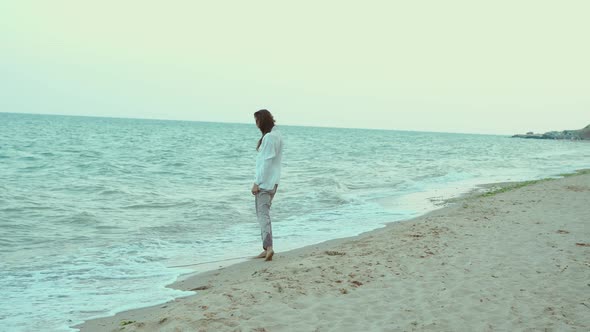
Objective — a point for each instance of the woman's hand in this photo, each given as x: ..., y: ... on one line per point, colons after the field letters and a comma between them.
x: 255, y: 189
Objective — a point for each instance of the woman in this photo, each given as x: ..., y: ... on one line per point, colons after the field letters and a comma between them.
x: 268, y: 173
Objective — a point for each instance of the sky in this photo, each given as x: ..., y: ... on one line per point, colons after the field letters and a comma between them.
x: 493, y: 67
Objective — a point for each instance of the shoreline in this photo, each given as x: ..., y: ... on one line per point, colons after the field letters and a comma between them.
x: 215, y: 289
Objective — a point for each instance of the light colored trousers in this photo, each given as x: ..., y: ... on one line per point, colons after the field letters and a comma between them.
x: 263, y: 202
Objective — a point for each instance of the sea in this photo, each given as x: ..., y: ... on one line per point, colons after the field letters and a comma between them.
x: 98, y: 215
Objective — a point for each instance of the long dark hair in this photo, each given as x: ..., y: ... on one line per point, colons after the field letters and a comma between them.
x: 265, y: 123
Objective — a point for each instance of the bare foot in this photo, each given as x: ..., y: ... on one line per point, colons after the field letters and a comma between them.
x: 269, y: 254
x: 261, y: 255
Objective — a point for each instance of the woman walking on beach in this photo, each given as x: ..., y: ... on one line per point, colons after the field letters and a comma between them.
x: 268, y: 173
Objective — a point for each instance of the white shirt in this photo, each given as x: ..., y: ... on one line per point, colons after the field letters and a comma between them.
x: 268, y: 160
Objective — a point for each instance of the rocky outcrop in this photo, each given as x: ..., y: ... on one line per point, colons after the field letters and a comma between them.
x: 581, y: 134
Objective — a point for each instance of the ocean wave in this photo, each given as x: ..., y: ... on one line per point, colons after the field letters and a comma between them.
x: 79, y: 219
x: 112, y: 192
x: 28, y: 158
x: 161, y: 205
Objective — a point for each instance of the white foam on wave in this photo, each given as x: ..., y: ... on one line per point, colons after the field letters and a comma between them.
x: 92, y: 282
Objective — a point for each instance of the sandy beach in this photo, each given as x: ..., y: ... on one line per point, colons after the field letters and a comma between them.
x: 516, y: 260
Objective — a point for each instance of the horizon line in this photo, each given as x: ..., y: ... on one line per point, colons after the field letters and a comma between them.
x: 246, y: 123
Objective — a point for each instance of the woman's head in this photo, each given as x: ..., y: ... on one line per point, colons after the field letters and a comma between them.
x: 265, y: 122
